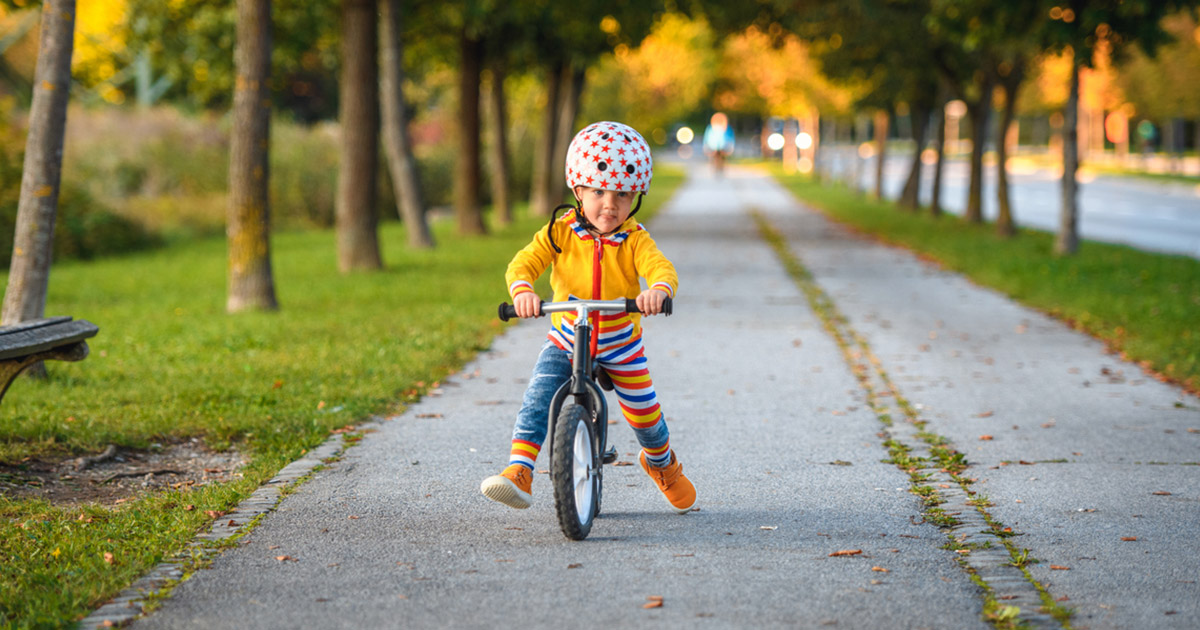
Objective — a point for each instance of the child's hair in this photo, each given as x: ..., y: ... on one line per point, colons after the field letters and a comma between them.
x: 609, y: 156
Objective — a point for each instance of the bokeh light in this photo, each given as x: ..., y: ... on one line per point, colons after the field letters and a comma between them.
x: 685, y: 135
x: 775, y: 141
x: 804, y: 141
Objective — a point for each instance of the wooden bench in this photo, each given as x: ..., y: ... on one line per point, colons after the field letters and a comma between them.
x: 26, y: 343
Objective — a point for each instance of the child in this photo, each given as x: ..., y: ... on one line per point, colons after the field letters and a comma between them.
x: 598, y: 252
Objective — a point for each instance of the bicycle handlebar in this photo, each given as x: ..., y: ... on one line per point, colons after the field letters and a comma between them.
x: 508, y: 311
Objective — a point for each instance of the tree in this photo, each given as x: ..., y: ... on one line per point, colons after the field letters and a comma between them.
x: 1080, y: 26
x: 357, y: 235
x: 251, y: 285
x: 401, y: 163
x: 568, y: 41
x: 868, y: 45
x: 501, y: 166
x: 467, y: 180
x: 29, y: 275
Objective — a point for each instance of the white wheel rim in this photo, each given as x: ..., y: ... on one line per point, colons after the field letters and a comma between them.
x: 581, y: 473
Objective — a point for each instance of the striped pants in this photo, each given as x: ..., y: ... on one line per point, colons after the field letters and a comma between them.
x: 635, y: 393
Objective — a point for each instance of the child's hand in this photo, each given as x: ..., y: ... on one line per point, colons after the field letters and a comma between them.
x: 650, y: 301
x: 528, y: 305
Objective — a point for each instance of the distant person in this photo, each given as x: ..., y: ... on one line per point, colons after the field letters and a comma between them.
x: 596, y: 251
x: 718, y: 140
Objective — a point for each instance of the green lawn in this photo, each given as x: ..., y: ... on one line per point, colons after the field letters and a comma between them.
x: 1144, y: 305
x: 169, y: 364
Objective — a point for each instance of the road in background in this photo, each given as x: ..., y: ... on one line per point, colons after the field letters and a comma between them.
x: 1155, y: 215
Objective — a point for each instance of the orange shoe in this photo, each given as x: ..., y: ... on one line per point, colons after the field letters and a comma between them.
x: 678, y: 489
x: 511, y: 487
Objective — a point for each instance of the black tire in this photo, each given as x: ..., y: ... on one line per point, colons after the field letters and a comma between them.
x: 575, y: 471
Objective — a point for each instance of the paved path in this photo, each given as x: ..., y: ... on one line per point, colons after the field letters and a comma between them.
x: 773, y: 427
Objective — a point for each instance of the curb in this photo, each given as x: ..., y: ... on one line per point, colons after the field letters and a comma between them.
x: 131, y: 603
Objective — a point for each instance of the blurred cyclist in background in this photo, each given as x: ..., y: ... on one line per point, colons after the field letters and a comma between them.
x: 718, y: 140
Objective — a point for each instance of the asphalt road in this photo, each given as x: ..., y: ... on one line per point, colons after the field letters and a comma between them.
x: 772, y: 426
x: 1148, y: 214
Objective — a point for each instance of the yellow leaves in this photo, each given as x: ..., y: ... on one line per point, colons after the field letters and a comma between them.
x: 56, y: 553
x: 653, y: 601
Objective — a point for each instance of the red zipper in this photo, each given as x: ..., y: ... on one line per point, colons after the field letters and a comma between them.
x: 597, y: 255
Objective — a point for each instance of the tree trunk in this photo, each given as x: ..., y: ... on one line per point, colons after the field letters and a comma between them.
x: 543, y: 155
x: 1005, y: 225
x: 467, y: 181
x: 568, y: 111
x: 29, y: 275
x: 939, y: 125
x: 881, y: 134
x: 499, y: 146
x: 911, y: 197
x: 1067, y: 241
x: 979, y: 112
x: 397, y: 144
x: 251, y: 285
x: 357, y: 236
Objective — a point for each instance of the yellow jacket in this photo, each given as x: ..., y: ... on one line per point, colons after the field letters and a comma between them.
x: 622, y: 258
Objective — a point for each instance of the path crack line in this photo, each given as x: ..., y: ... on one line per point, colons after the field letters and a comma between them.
x: 936, y: 470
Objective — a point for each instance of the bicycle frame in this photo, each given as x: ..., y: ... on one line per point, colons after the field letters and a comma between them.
x: 581, y: 385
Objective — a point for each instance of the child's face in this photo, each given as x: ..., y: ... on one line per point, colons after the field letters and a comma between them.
x: 606, y: 209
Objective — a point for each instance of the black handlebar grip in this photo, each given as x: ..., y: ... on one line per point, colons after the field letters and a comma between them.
x: 632, y: 307
x: 507, y: 311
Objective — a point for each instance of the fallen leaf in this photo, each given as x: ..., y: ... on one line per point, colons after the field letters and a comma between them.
x: 1161, y: 493
x: 1128, y: 538
x: 1059, y: 567
x: 353, y: 517
x: 623, y: 464
x: 1047, y: 425
x: 189, y: 508
x: 575, y: 565
x: 879, y: 569
x: 845, y: 552
x: 654, y: 603
x: 273, y: 547
x: 214, y: 514
x: 985, y: 438
x: 429, y: 415
x: 986, y: 414
x: 277, y: 385
x: 769, y: 528
x: 109, y: 558
x: 232, y: 523
x: 1064, y: 598
x: 284, y: 558
x: 1007, y: 597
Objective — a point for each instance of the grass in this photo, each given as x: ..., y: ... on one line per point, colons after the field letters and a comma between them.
x: 169, y: 365
x: 1143, y: 305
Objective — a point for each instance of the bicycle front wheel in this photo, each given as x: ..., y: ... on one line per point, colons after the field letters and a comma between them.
x: 575, y: 469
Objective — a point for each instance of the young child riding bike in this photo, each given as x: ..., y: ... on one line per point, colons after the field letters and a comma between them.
x: 597, y: 251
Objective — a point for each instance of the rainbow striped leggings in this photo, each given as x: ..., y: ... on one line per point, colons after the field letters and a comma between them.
x: 635, y: 392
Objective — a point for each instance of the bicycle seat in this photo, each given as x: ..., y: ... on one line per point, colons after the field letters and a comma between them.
x: 603, y: 379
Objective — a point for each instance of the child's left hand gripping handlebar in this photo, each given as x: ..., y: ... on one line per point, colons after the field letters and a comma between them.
x: 508, y: 311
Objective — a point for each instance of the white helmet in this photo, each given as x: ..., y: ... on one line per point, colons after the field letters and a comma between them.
x: 609, y: 156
